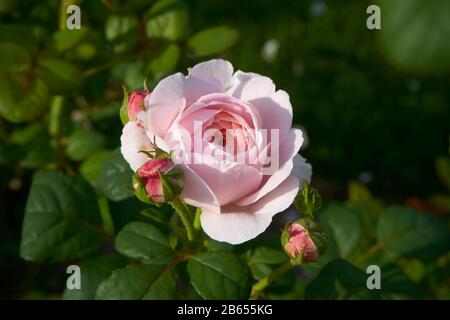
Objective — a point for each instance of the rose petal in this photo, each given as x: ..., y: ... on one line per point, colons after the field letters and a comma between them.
x: 214, y: 70
x: 170, y: 97
x: 251, y: 86
x: 133, y: 140
x: 239, y: 224
x: 197, y: 193
x: 229, y: 181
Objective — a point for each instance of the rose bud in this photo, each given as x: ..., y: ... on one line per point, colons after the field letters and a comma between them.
x: 158, y: 180
x: 303, y: 241
x: 135, y: 104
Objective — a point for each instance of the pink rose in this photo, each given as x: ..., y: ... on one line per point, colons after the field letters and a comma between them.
x: 135, y: 104
x: 300, y: 243
x: 151, y: 180
x: 231, y: 135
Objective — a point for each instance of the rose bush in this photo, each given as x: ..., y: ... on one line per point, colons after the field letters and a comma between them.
x: 238, y: 198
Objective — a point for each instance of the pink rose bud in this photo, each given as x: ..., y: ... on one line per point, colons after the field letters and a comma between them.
x: 135, y: 104
x: 303, y: 241
x: 151, y: 179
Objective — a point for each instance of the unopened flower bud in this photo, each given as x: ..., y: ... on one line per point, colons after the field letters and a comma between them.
x: 303, y: 241
x: 149, y: 173
x: 135, y: 104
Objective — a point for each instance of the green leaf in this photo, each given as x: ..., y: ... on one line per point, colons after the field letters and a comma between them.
x: 122, y: 32
x: 343, y: 224
x: 165, y: 62
x: 14, y: 58
x: 22, y: 99
x: 91, y: 168
x: 65, y: 39
x: 146, y: 282
x: 26, y: 134
x: 213, y: 40
x: 394, y: 281
x: 60, y: 76
x: 115, y: 178
x: 268, y: 256
x: 38, y: 152
x: 145, y: 242
x: 20, y: 34
x: 414, y: 34
x: 407, y: 232
x: 93, y: 272
x: 83, y: 143
x: 219, y: 275
x: 167, y: 19
x: 61, y: 219
x: 131, y: 73
x: 337, y: 279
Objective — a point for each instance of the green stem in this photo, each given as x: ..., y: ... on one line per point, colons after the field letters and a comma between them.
x: 197, y: 225
x: 108, y: 223
x: 264, y: 282
x: 375, y: 248
x: 184, y: 214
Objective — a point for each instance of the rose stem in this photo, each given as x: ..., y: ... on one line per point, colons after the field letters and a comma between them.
x: 183, y: 212
x: 264, y: 282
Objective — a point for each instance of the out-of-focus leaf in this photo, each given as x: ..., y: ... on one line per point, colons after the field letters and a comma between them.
x: 143, y: 282
x: 7, y: 6
x: 211, y: 41
x: 83, y: 143
x: 145, y: 242
x: 122, y: 32
x: 38, y: 152
x: 165, y: 62
x: 60, y: 76
x: 219, y: 275
x: 91, y: 168
x: 14, y: 58
x: 343, y: 224
x: 22, y: 98
x: 338, y: 279
x: 410, y: 233
x: 268, y: 256
x: 93, y: 272
x: 23, y: 35
x: 394, y: 281
x: 167, y: 19
x: 131, y: 73
x: 414, y: 34
x: 66, y: 39
x: 115, y: 178
x: 26, y: 134
x: 61, y: 216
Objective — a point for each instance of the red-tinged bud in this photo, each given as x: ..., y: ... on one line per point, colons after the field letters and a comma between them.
x: 303, y: 241
x: 149, y: 174
x: 135, y: 104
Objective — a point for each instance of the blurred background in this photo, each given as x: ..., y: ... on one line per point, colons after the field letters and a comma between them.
x: 374, y: 104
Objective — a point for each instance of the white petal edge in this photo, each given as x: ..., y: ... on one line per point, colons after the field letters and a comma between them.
x: 288, y: 151
x: 246, y: 223
x: 132, y: 141
x: 214, y: 70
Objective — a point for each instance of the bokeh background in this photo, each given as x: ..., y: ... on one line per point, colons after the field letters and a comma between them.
x: 374, y: 104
